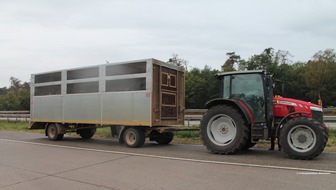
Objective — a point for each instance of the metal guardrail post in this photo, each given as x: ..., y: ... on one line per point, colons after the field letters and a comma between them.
x: 15, y: 115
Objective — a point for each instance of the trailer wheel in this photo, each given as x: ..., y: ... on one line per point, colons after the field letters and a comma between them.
x: 303, y: 138
x: 53, y: 133
x: 86, y: 133
x: 224, y: 130
x: 165, y: 138
x: 134, y: 137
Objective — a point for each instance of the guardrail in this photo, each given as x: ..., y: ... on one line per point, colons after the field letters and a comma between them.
x: 328, y: 111
x: 191, y: 115
x: 195, y: 115
x: 15, y: 115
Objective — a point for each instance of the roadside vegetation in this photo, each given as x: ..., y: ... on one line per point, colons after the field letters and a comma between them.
x: 183, y: 137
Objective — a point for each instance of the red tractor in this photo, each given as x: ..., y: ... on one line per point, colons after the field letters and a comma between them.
x: 247, y: 112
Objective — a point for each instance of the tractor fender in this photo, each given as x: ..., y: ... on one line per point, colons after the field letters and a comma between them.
x: 283, y: 120
x: 241, y: 106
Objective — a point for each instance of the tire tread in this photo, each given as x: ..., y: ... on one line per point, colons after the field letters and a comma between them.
x: 245, y: 133
x: 319, y: 127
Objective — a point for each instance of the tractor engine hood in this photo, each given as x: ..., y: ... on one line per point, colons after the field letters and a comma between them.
x: 284, y: 106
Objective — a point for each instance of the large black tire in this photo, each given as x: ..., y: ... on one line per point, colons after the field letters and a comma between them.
x: 303, y: 138
x: 248, y: 145
x: 165, y: 138
x: 86, y: 133
x: 224, y: 130
x: 134, y: 137
x: 53, y: 133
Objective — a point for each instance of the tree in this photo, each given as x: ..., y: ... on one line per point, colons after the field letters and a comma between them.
x: 9, y: 101
x: 24, y: 96
x: 16, y: 97
x: 15, y: 85
x: 263, y: 61
x: 292, y: 77
x: 319, y: 75
x: 175, y: 60
x: 201, y: 86
x: 3, y: 91
x: 230, y: 62
x: 283, y: 57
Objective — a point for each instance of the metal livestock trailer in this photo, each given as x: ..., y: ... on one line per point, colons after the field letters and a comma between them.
x: 137, y: 99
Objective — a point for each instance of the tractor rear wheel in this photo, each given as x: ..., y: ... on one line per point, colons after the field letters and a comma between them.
x: 248, y: 145
x: 303, y: 138
x: 224, y: 130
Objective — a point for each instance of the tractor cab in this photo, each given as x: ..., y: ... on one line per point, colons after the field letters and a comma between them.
x: 252, y: 91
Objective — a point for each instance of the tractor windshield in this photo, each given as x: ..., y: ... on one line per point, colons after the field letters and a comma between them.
x: 248, y: 88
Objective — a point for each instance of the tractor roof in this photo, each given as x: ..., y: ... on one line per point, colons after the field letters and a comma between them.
x: 240, y: 72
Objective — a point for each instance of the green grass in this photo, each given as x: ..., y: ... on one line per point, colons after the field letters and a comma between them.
x: 185, y: 137
x: 103, y: 132
x: 331, y: 145
x: 14, y: 126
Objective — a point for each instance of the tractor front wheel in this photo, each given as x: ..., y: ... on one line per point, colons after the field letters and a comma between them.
x: 303, y: 138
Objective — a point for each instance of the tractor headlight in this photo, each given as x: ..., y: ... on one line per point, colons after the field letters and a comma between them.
x: 287, y: 103
x: 317, y: 113
x: 314, y: 108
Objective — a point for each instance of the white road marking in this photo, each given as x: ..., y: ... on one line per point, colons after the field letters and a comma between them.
x: 176, y: 158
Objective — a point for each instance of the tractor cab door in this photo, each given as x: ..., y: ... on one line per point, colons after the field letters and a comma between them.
x: 248, y: 88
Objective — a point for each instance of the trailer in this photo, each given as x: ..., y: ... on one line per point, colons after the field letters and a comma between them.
x: 136, y: 99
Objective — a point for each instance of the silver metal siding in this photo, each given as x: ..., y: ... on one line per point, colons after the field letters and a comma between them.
x: 126, y: 108
x: 82, y: 108
x: 104, y: 108
x: 47, y: 108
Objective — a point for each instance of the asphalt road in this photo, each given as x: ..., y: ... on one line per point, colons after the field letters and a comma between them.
x: 31, y: 161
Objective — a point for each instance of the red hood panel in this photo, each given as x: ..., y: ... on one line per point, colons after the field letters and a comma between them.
x: 284, y: 106
x: 295, y: 101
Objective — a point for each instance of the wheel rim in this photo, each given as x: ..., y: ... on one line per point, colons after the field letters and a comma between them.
x: 301, y: 138
x: 130, y: 138
x: 51, y: 132
x: 221, y: 130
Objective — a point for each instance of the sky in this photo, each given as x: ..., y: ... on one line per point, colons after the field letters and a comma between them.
x: 45, y: 35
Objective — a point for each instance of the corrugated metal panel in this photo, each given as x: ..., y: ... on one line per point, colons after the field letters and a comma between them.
x: 81, y: 107
x: 126, y: 107
x: 47, y: 107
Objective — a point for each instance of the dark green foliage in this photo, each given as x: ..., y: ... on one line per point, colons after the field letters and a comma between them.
x: 309, y: 81
x: 16, y: 97
x: 292, y: 77
x: 229, y: 63
x: 3, y: 91
x: 320, y: 77
x: 201, y: 86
